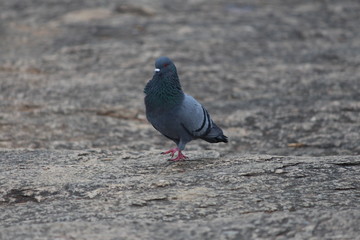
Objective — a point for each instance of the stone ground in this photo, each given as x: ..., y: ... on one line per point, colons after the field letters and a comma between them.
x: 79, y: 160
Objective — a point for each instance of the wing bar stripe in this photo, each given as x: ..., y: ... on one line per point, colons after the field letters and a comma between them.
x: 203, y: 123
x: 209, y: 125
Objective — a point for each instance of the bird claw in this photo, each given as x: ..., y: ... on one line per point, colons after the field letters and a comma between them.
x: 180, y: 157
x: 172, y: 152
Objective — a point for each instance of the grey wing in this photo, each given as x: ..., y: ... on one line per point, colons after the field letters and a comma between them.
x: 194, y: 118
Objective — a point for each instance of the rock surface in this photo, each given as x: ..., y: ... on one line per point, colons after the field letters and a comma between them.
x: 99, y: 194
x: 80, y: 161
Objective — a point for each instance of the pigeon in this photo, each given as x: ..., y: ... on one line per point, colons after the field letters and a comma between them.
x: 175, y: 114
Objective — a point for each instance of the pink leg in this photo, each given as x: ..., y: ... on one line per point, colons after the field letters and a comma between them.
x: 171, y: 151
x: 180, y: 157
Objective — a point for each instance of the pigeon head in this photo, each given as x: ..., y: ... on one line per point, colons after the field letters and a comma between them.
x: 164, y: 89
x: 164, y: 65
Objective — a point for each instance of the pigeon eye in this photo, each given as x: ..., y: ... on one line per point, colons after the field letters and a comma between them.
x: 165, y: 65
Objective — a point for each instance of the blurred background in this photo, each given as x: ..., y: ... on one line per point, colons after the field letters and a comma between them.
x: 280, y: 77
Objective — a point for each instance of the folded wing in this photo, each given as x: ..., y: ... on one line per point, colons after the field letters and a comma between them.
x: 195, y: 119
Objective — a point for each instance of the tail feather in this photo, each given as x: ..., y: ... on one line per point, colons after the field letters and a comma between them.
x: 215, y: 135
x: 217, y: 139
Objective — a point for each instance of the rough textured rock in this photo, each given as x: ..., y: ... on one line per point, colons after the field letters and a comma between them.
x: 93, y: 194
x: 79, y: 160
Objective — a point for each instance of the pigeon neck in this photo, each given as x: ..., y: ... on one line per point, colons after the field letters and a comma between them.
x: 164, y: 91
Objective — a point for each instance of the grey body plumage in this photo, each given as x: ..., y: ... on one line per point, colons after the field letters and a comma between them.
x: 175, y: 114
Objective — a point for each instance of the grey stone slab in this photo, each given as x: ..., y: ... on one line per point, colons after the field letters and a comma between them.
x: 97, y: 194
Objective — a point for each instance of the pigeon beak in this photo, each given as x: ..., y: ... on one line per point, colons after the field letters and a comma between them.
x: 157, y: 70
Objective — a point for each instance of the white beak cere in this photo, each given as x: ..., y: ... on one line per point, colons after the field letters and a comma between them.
x: 157, y: 70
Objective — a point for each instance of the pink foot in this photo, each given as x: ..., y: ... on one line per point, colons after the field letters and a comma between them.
x: 171, y: 151
x: 180, y: 157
